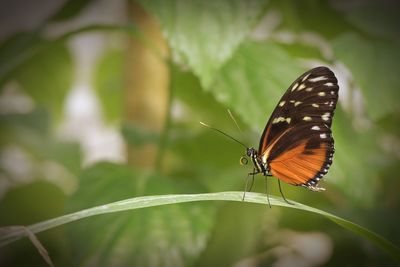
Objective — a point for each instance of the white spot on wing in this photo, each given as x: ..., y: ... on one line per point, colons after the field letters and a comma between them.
x: 309, y: 89
x: 295, y: 86
x: 297, y: 103
x: 329, y: 84
x: 305, y: 77
x: 277, y: 120
x: 323, y: 135
x: 315, y: 105
x: 307, y: 118
x: 315, y: 128
x: 301, y: 87
x: 326, y: 116
x: 317, y: 79
x: 321, y: 94
x: 282, y: 103
x: 281, y: 119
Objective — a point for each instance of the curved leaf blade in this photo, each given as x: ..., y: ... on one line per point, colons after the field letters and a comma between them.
x: 151, y: 201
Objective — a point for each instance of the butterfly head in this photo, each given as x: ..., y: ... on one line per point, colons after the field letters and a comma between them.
x: 251, y: 152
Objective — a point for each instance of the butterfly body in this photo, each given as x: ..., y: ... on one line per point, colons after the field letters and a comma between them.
x: 259, y: 165
x: 297, y: 144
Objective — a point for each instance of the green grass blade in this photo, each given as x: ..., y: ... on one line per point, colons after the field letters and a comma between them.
x: 10, y: 234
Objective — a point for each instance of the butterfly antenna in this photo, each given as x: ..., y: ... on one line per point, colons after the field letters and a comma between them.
x: 237, y: 124
x: 227, y: 135
x: 234, y: 120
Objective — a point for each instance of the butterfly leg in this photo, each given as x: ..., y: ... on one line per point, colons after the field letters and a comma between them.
x: 280, y: 190
x: 266, y: 190
x: 247, y: 181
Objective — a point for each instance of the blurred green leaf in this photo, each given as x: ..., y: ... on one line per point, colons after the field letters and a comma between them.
x: 162, y: 236
x: 70, y: 9
x: 391, y: 123
x: 357, y: 161
x: 318, y: 17
x: 204, y: 34
x: 253, y: 81
x: 301, y: 50
x: 108, y: 81
x: 15, y: 51
x: 32, y: 132
x: 372, y: 64
x: 233, y: 227
x: 198, y: 105
x: 38, y: 121
x: 23, y: 205
x: 47, y: 76
x: 380, y: 19
x: 219, y: 169
x: 26, y: 204
x: 133, y: 135
x: 189, y: 141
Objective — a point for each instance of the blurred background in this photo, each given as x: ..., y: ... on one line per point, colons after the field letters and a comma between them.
x: 101, y: 101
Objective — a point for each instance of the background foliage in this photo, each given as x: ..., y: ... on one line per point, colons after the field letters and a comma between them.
x: 240, y: 55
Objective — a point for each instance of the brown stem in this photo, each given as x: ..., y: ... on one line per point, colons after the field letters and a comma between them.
x: 147, y: 86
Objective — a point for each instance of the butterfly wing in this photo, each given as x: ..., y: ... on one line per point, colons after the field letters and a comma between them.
x: 297, y: 143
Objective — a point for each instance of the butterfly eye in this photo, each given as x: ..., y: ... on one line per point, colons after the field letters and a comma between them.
x: 243, y: 160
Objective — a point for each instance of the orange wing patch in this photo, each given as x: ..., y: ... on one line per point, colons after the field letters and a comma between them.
x: 298, y: 165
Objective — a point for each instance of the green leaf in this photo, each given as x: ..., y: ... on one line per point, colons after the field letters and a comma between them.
x: 372, y: 64
x: 15, y: 51
x: 189, y: 141
x: 109, y: 82
x: 47, y: 76
x: 151, y: 201
x: 301, y: 50
x: 32, y: 132
x: 70, y: 9
x: 235, y: 236
x: 253, y: 81
x: 174, y: 234
x: 37, y: 121
x: 217, y: 168
x: 26, y: 204
x: 136, y: 136
x: 376, y: 18
x: 357, y: 161
x: 318, y: 17
x: 190, y: 95
x: 390, y: 123
x: 204, y: 34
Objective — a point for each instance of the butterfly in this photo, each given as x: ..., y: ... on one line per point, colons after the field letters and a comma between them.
x: 296, y: 145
